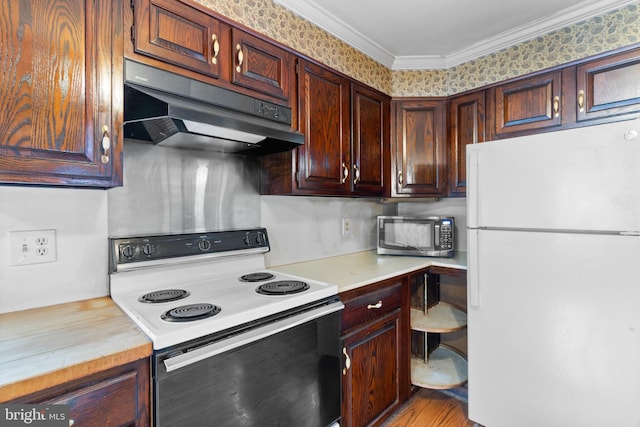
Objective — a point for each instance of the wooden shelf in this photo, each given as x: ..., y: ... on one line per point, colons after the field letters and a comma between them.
x: 445, y: 368
x: 441, y: 318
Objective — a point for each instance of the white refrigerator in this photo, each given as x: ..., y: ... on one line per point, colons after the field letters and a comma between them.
x: 554, y: 279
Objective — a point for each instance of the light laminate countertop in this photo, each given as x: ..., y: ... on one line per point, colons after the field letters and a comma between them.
x: 362, y: 268
x: 47, y: 346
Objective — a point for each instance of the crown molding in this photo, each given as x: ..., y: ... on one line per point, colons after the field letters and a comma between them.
x: 310, y: 11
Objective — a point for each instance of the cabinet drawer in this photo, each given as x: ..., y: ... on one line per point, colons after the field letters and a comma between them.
x: 370, y: 306
x: 112, y: 401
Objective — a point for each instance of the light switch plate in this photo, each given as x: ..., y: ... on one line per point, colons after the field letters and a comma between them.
x: 32, y: 247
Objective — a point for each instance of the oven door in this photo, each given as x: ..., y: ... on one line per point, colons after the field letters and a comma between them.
x: 283, y: 373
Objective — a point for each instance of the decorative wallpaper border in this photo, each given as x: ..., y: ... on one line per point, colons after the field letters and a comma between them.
x: 610, y: 31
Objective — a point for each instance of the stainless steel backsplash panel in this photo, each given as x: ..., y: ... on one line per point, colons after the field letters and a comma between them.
x: 168, y: 190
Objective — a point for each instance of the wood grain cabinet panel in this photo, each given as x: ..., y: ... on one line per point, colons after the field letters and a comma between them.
x: 179, y: 34
x: 375, y: 334
x: 261, y: 66
x: 419, y: 150
x: 61, y: 92
x: 325, y: 157
x: 527, y: 104
x: 371, y: 386
x: 370, y: 143
x: 346, y: 150
x: 608, y: 86
x: 117, y: 397
x: 465, y: 126
x: 190, y: 37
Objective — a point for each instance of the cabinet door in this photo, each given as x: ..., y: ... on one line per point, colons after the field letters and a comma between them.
x: 117, y: 397
x: 527, y: 104
x: 261, y: 66
x: 370, y: 127
x: 61, y: 92
x: 179, y: 34
x: 609, y: 86
x: 419, y: 148
x: 325, y: 158
x: 371, y: 389
x: 466, y: 126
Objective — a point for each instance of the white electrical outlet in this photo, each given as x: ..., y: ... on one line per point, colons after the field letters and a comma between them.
x: 32, y: 247
x: 346, y: 226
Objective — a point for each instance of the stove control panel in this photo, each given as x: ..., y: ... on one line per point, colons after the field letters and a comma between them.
x: 133, y: 251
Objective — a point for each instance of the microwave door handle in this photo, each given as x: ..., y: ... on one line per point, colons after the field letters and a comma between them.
x: 437, y: 236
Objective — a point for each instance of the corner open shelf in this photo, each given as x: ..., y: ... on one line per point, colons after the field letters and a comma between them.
x: 435, y: 365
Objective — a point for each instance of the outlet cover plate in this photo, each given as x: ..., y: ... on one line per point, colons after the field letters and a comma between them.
x: 32, y: 247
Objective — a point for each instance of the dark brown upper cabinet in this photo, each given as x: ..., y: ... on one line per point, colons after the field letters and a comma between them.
x: 324, y: 161
x: 418, y: 151
x: 465, y: 126
x: 174, y: 32
x: 527, y: 104
x: 261, y: 66
x: 61, y: 92
x: 190, y: 37
x: 346, y: 149
x: 370, y: 141
x: 608, y: 86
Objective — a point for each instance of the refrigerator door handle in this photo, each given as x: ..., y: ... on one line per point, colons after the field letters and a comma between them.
x: 472, y: 268
x: 472, y: 189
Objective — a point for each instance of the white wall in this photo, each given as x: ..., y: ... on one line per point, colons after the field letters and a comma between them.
x: 300, y: 229
x: 80, y: 220
x: 305, y: 228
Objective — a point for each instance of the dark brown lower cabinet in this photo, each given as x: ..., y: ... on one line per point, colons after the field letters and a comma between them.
x: 375, y: 378
x: 116, y: 397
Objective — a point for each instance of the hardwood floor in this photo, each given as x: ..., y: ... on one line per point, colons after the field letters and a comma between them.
x: 431, y: 408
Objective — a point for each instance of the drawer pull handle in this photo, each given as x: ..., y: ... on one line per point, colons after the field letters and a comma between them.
x: 347, y: 361
x: 240, y: 57
x: 215, y: 47
x: 377, y: 305
x: 581, y: 101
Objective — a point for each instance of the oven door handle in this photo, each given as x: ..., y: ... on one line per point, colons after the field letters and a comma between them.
x: 186, y: 359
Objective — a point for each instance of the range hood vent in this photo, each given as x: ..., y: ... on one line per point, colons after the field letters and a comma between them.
x: 168, y: 109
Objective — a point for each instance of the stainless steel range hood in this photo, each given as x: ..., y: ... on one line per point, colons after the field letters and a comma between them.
x: 164, y: 108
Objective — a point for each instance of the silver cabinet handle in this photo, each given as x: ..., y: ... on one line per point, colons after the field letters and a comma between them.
x: 376, y: 305
x: 356, y: 173
x: 347, y: 361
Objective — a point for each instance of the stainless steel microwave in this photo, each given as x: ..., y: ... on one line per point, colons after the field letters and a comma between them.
x: 427, y: 236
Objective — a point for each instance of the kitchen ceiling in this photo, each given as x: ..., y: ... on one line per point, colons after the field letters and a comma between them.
x: 434, y: 34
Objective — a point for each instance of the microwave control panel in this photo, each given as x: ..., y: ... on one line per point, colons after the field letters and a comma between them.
x: 446, y: 234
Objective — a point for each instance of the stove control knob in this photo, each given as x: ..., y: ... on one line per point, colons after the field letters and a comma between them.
x: 204, y: 245
x: 247, y: 240
x: 147, y: 249
x: 127, y: 251
x: 259, y: 239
